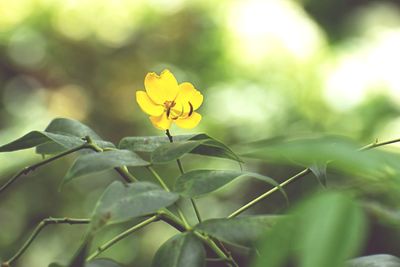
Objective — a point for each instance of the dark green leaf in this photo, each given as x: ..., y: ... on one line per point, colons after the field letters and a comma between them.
x: 121, y: 202
x: 36, y: 138
x: 182, y: 250
x: 241, y: 230
x: 102, y: 263
x: 55, y: 138
x: 96, y: 162
x: 199, y: 182
x: 54, y: 264
x: 69, y: 127
x: 324, y: 231
x: 379, y: 260
x: 164, y: 151
x: 148, y: 143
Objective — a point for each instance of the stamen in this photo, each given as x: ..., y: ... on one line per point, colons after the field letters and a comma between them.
x: 191, y: 109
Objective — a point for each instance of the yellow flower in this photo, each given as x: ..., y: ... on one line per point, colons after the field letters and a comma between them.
x: 166, y: 101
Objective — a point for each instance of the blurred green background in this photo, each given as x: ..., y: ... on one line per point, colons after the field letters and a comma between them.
x: 266, y: 68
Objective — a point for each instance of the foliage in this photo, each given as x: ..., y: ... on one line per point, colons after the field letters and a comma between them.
x: 325, y: 229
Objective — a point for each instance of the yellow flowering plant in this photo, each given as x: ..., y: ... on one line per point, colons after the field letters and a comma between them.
x: 228, y: 240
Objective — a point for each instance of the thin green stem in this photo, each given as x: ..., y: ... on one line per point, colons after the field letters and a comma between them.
x: 164, y: 185
x: 180, y: 166
x: 121, y: 236
x: 266, y: 194
x: 39, y: 228
x: 33, y: 167
x: 378, y: 144
x: 159, y: 179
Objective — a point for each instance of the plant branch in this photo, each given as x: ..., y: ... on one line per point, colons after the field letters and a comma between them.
x: 33, y: 167
x: 121, y: 236
x: 218, y: 251
x: 266, y: 194
x: 39, y: 228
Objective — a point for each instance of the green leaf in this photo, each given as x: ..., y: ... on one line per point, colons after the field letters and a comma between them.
x: 102, y: 263
x: 121, y: 202
x: 36, y: 138
x: 243, y: 231
x: 181, y: 250
x: 341, y: 153
x: 148, y: 143
x: 379, y: 260
x: 199, y: 182
x: 163, y: 151
x: 69, y: 127
x: 60, y: 135
x: 54, y: 264
x: 97, y: 162
x: 324, y: 231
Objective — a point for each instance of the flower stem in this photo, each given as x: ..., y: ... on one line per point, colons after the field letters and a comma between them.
x: 178, y: 161
x: 39, y: 228
x: 121, y: 236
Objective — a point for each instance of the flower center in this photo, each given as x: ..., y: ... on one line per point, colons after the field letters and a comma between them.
x: 168, y: 105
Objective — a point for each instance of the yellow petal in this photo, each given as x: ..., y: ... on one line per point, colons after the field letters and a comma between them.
x: 147, y: 105
x: 161, y: 122
x: 161, y: 88
x: 190, y: 122
x: 187, y: 93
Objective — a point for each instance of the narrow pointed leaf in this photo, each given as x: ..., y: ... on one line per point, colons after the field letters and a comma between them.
x: 121, y: 202
x: 97, y: 162
x: 243, y: 231
x: 181, y: 250
x: 199, y: 182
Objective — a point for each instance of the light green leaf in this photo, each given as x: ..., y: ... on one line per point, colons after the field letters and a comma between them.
x: 341, y: 153
x: 324, y: 231
x: 97, y: 162
x: 243, y: 231
x: 182, y: 250
x: 121, y: 202
x: 163, y: 151
x: 199, y: 182
x: 54, y: 264
x: 379, y: 260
